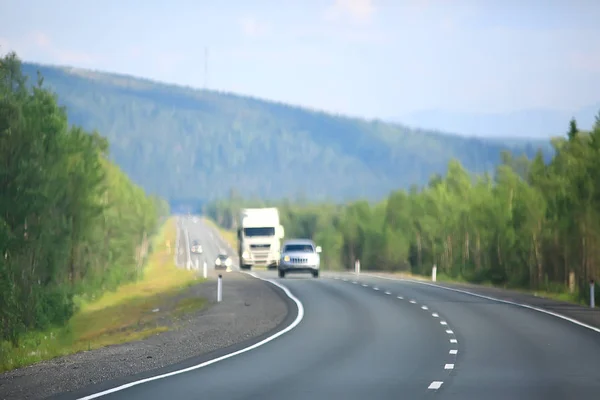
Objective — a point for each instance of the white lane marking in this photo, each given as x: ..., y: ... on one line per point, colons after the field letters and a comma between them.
x: 335, y: 277
x: 354, y: 282
x: 541, y: 310
x: 413, y: 302
x: 449, y: 366
x: 375, y: 288
x: 453, y: 341
x: 435, y: 385
x: 425, y: 308
x: 400, y: 297
x: 298, y: 319
x: 365, y: 285
x: 443, y: 323
x: 453, y: 352
x: 387, y: 293
x: 345, y: 280
x: 435, y: 315
x: 449, y: 332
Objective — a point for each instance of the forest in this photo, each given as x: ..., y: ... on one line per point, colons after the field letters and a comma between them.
x: 185, y: 143
x: 531, y: 224
x: 72, y: 224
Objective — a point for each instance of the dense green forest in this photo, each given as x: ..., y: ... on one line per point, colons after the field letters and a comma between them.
x: 71, y: 222
x: 528, y: 225
x: 182, y: 143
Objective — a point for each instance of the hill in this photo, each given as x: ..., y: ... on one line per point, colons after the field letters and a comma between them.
x: 179, y: 142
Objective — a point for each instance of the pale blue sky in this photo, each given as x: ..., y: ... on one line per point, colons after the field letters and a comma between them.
x: 376, y: 58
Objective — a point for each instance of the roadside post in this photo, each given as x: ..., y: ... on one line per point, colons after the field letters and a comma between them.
x: 592, y: 294
x: 197, y: 264
x: 434, y: 273
x: 220, y: 289
x: 205, y: 270
x: 357, y: 268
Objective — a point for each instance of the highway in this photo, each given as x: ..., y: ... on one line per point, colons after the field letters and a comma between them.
x: 389, y: 339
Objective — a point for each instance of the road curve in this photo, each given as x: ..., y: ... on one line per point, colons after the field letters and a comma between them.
x: 388, y: 339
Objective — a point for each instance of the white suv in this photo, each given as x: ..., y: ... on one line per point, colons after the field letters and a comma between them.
x: 300, y: 255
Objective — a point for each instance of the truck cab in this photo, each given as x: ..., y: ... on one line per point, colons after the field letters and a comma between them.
x: 259, y: 237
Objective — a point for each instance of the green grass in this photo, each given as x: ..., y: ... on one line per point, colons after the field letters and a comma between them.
x: 132, y: 312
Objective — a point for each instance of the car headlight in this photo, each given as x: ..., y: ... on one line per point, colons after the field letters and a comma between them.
x: 218, y: 261
x: 286, y: 258
x: 245, y: 254
x: 228, y: 262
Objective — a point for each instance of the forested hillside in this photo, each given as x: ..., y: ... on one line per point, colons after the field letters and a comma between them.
x: 529, y: 225
x: 182, y: 143
x: 71, y: 223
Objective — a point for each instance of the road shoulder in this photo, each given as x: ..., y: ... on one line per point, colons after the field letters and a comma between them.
x: 251, y: 310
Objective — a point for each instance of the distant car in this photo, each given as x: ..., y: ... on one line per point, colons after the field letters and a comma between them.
x: 196, y: 248
x: 223, y: 261
x: 300, y: 255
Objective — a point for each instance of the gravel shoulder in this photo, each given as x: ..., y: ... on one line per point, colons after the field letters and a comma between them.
x: 587, y: 315
x: 250, y: 309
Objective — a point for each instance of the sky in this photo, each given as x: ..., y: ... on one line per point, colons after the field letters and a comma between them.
x: 368, y: 58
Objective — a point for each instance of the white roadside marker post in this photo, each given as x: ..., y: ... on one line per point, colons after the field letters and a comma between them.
x: 434, y: 273
x: 220, y: 289
x: 205, y: 270
x: 592, y: 294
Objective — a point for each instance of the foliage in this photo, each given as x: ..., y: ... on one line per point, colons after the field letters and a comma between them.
x: 530, y: 225
x: 71, y: 223
x: 182, y: 143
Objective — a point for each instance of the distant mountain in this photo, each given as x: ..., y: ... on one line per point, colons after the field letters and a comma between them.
x: 536, y: 123
x: 183, y: 143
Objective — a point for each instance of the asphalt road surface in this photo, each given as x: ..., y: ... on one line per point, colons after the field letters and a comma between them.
x: 372, y: 338
x: 194, y: 228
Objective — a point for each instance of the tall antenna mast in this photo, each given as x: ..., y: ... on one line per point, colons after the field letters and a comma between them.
x: 205, y: 67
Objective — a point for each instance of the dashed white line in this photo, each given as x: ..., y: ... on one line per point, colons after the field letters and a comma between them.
x: 424, y: 307
x: 449, y: 366
x: 400, y: 297
x: 541, y: 310
x: 354, y: 282
x: 435, y: 315
x: 435, y: 385
x: 365, y: 285
x: 413, y: 302
x: 449, y: 331
x: 375, y: 288
x: 443, y: 323
x: 453, y: 352
x: 387, y: 293
x: 453, y: 341
x: 345, y: 280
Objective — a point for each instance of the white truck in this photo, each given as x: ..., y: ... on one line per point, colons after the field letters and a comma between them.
x: 259, y: 237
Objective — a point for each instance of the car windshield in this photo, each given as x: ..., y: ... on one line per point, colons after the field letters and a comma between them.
x: 223, y: 257
x: 305, y: 248
x: 266, y: 231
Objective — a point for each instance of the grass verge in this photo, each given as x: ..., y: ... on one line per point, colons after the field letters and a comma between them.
x: 133, y: 312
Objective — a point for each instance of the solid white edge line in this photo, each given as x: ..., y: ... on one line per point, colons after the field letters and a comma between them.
x: 541, y: 310
x: 295, y: 323
x: 435, y: 385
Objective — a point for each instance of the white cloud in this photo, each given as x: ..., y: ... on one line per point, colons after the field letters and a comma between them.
x: 252, y: 27
x: 357, y: 10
